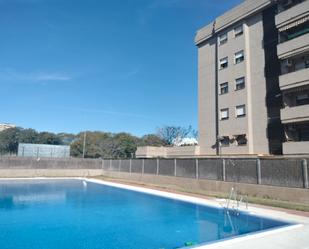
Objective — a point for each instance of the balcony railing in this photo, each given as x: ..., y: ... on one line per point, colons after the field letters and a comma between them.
x: 295, y: 114
x: 292, y: 148
x: 292, y: 14
x: 294, y: 46
x: 294, y: 79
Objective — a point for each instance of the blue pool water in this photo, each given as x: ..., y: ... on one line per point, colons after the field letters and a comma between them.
x: 66, y: 214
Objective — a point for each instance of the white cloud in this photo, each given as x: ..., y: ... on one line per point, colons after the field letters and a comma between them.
x: 9, y: 74
x: 107, y: 112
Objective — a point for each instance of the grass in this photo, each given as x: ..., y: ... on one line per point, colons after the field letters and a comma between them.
x: 266, y: 201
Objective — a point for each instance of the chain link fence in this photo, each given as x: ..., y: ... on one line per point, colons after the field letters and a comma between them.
x: 275, y: 172
x: 284, y: 172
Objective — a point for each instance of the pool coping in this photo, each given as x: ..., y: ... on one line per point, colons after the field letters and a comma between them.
x: 299, y: 222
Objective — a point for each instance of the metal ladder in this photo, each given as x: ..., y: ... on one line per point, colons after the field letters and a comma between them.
x: 237, y: 200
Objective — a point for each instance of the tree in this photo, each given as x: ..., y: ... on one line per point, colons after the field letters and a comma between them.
x: 105, y: 145
x: 152, y: 140
x: 28, y: 136
x: 48, y: 138
x: 170, y: 133
x: 67, y: 138
x: 9, y: 140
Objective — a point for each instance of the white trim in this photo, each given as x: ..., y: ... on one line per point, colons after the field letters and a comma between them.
x: 238, y: 108
x: 223, y: 38
x: 224, y: 60
x: 240, y: 32
x: 222, y: 111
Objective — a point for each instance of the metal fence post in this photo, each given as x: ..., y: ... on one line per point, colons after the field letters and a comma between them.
x: 130, y: 166
x: 158, y: 162
x: 143, y: 166
x: 102, y: 164
x: 223, y: 170
x: 258, y: 171
x: 110, y: 164
x: 119, y: 165
x: 175, y: 167
x: 305, y: 173
x: 196, y: 169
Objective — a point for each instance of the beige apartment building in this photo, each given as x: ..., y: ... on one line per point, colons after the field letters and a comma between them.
x: 253, y: 82
x: 253, y: 79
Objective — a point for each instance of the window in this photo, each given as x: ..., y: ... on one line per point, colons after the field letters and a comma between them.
x: 224, y: 88
x: 240, y: 111
x: 222, y: 39
x: 224, y: 114
x: 302, y: 99
x: 223, y: 63
x: 240, y: 83
x: 224, y: 141
x: 238, y: 31
x: 241, y: 140
x: 239, y: 57
x: 307, y: 62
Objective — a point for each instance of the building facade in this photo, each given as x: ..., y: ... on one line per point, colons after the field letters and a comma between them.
x: 253, y: 64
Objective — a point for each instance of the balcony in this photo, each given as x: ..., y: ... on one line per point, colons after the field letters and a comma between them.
x: 292, y: 47
x: 294, y: 79
x: 293, y: 148
x: 293, y: 14
x: 295, y: 114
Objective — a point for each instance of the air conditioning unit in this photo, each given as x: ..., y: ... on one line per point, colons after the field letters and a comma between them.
x: 288, y: 63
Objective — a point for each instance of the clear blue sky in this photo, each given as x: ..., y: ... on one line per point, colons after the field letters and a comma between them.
x: 109, y: 65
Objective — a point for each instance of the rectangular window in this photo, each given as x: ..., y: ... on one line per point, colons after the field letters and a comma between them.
x: 239, y: 57
x: 224, y: 114
x: 240, y: 83
x: 238, y: 31
x: 222, y: 39
x: 241, y: 140
x: 224, y: 88
x: 302, y: 99
x: 306, y: 62
x: 240, y: 111
x: 225, y: 141
x: 223, y: 63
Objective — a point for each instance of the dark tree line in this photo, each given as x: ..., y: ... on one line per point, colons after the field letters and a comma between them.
x: 10, y: 138
x: 97, y: 144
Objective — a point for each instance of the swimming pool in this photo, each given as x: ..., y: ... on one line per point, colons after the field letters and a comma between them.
x: 65, y: 214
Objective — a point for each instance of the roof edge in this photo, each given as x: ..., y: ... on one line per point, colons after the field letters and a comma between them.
x: 239, y: 12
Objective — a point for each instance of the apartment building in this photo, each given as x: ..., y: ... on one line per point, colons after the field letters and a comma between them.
x: 253, y: 73
x: 292, y: 23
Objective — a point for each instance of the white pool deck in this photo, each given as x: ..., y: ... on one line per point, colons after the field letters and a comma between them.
x: 290, y: 237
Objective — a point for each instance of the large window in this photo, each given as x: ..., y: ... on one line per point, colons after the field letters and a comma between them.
x: 240, y: 111
x: 239, y: 57
x: 224, y: 114
x: 224, y: 88
x: 289, y: 33
x: 238, y: 31
x: 302, y: 99
x: 222, y: 39
x: 223, y: 63
x: 240, y: 83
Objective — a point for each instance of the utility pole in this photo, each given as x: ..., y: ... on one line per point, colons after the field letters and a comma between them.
x: 84, y: 143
